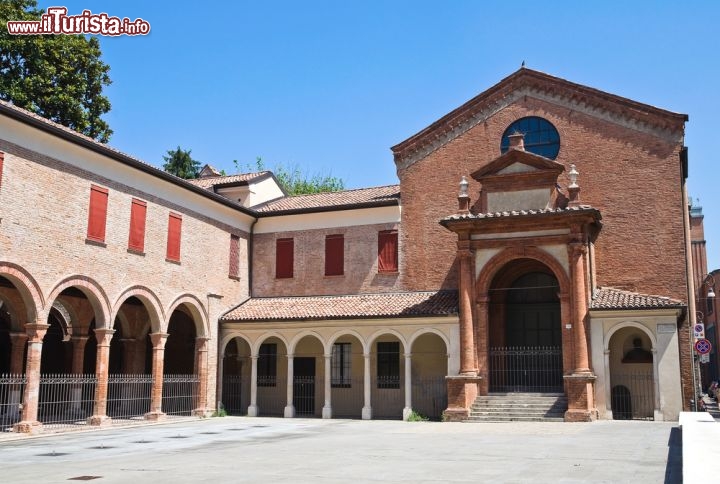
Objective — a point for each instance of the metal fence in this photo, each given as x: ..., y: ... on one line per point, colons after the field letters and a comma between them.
x: 348, y: 399
x: 429, y: 396
x: 179, y: 394
x: 632, y: 396
x: 66, y: 400
x: 526, y: 369
x: 235, y: 395
x: 128, y: 397
x: 304, y: 395
x: 11, y: 399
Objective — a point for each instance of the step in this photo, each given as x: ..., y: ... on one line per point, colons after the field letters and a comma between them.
x: 513, y: 419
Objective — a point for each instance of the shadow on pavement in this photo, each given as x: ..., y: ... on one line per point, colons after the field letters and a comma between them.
x: 673, y: 470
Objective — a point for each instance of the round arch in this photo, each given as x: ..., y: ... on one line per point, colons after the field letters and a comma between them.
x: 346, y: 332
x: 27, y: 286
x: 381, y: 332
x: 151, y: 302
x: 11, y: 309
x: 228, y: 338
x: 197, y: 312
x: 66, y: 318
x: 628, y: 324
x: 256, y: 347
x: 298, y: 337
x: 94, y: 293
x: 423, y: 331
x: 500, y: 260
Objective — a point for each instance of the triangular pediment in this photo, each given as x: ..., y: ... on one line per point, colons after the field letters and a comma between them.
x: 528, y: 83
x: 515, y: 162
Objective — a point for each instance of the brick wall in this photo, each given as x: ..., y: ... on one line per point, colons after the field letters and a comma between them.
x: 361, y: 275
x: 632, y: 177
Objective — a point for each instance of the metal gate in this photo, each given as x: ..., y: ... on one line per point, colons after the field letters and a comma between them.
x: 304, y: 395
x: 526, y: 369
x: 232, y: 395
x: 632, y: 396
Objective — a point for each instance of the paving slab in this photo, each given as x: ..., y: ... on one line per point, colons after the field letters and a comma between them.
x: 241, y: 449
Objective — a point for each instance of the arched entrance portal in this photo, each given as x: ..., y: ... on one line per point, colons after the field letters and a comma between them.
x: 632, y: 387
x: 525, y: 330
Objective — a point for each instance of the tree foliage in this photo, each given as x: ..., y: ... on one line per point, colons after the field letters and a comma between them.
x: 180, y: 163
x: 59, y: 77
x: 294, y: 180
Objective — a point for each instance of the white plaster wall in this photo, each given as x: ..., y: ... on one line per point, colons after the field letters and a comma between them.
x: 320, y: 220
x: 560, y: 253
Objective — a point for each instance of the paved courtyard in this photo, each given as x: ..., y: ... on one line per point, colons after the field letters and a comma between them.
x: 238, y: 449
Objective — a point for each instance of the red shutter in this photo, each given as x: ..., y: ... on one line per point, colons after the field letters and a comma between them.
x: 388, y: 251
x: 136, y: 240
x: 173, y: 240
x: 2, y: 159
x: 234, y: 270
x: 284, y: 258
x: 97, y: 214
x: 334, y: 255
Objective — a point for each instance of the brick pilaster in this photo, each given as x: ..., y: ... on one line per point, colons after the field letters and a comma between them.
x: 36, y: 333
x: 201, y: 369
x: 102, y: 364
x: 158, y: 359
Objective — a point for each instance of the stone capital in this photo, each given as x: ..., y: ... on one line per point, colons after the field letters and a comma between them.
x: 158, y: 340
x: 104, y: 336
x: 36, y: 331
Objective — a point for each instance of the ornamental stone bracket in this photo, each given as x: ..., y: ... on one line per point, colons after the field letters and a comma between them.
x: 462, y: 392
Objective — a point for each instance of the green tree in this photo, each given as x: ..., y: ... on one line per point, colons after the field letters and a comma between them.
x: 59, y: 77
x: 294, y: 180
x: 180, y: 163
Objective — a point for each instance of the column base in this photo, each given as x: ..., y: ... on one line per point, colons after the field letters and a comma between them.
x: 327, y: 411
x: 367, y: 413
x: 455, y: 414
x: 289, y: 412
x: 155, y: 416
x: 99, y: 421
x: 253, y: 411
x: 201, y: 412
x: 462, y: 392
x: 580, y: 394
x: 26, y: 427
x: 407, y: 411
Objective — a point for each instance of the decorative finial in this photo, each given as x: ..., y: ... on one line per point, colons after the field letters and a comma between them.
x: 573, y: 174
x: 463, y: 187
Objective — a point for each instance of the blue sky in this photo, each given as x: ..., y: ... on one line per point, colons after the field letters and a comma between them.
x: 331, y: 86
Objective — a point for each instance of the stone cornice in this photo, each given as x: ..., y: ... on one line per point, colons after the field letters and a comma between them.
x: 528, y: 83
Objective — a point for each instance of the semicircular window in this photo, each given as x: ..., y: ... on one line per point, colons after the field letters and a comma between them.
x: 541, y: 137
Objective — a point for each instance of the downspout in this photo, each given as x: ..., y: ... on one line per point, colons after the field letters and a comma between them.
x: 689, y: 272
x: 251, y: 247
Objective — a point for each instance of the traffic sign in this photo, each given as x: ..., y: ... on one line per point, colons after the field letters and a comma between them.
x: 699, y: 330
x: 703, y: 346
x: 704, y: 358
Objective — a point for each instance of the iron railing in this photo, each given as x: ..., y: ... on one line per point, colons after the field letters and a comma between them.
x: 348, y: 400
x: 429, y: 396
x: 128, y: 397
x: 304, y: 395
x: 526, y: 369
x: 632, y: 396
x: 235, y: 395
x: 179, y: 394
x: 66, y: 400
x: 11, y: 399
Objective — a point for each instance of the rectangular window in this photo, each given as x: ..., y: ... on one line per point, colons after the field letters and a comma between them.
x: 2, y: 161
x: 340, y: 365
x: 173, y: 239
x: 284, y: 252
x: 388, y: 365
x: 97, y: 213
x: 234, y: 271
x: 388, y: 251
x: 138, y: 212
x: 267, y: 365
x: 334, y: 255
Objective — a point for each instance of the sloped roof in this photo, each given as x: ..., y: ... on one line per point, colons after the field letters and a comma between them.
x: 383, y: 305
x: 346, y: 199
x: 518, y: 213
x: 611, y: 298
x: 209, y: 182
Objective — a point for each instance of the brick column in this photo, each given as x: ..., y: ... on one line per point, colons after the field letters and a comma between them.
x: 482, y: 342
x: 201, y: 369
x: 327, y: 408
x: 77, y: 368
x: 253, y: 408
x: 367, y: 386
x: 408, y: 386
x: 467, y: 343
x: 579, y: 385
x: 36, y: 333
x: 102, y: 366
x: 158, y: 359
x: 290, y: 408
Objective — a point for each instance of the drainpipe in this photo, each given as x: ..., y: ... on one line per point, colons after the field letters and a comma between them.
x: 689, y: 273
x: 251, y: 246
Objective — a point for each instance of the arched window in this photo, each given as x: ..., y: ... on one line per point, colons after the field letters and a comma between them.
x: 541, y: 137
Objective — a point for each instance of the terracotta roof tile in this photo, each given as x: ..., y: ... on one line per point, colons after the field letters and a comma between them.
x: 374, y: 196
x: 515, y: 213
x: 611, y: 298
x: 398, y: 304
x: 210, y: 181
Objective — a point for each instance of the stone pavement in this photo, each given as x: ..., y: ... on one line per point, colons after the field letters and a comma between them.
x: 241, y: 449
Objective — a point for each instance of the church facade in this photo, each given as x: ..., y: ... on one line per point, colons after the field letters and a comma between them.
x: 536, y: 245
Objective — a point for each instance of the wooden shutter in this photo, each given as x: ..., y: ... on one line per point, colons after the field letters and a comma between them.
x: 138, y: 212
x: 388, y: 251
x: 97, y: 213
x: 234, y: 270
x: 173, y: 240
x: 334, y: 255
x: 2, y: 160
x: 284, y: 258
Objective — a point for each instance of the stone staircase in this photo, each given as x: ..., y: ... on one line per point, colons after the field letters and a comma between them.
x: 519, y: 407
